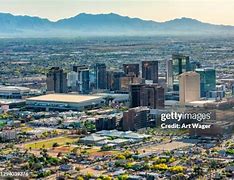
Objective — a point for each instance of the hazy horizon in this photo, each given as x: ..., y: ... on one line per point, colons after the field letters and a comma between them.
x: 209, y: 11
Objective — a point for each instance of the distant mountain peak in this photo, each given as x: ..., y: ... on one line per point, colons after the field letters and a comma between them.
x: 184, y: 20
x: 104, y: 24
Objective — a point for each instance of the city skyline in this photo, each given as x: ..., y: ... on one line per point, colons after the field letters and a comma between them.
x: 211, y: 11
x: 116, y: 107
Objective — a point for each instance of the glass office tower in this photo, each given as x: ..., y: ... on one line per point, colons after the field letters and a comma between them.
x: 176, y: 66
x: 100, y: 76
x: 207, y: 80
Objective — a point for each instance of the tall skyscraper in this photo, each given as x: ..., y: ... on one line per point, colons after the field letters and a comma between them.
x: 127, y: 81
x: 82, y: 78
x: 169, y: 69
x: 100, y: 76
x: 132, y: 70
x: 114, y: 80
x: 207, y: 80
x: 189, y: 89
x: 135, y: 94
x: 56, y: 80
x: 150, y: 95
x: 150, y: 70
x: 77, y: 68
x: 176, y: 66
x: 72, y: 79
x: 135, y: 118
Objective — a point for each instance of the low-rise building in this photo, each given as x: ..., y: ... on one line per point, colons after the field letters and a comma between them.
x: 7, y: 135
x: 92, y: 139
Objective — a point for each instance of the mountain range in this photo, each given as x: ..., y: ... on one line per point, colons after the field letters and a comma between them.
x: 104, y: 25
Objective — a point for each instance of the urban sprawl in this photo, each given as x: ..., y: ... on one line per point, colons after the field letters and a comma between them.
x: 90, y: 109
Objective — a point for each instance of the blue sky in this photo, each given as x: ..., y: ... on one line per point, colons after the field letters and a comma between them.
x: 213, y: 11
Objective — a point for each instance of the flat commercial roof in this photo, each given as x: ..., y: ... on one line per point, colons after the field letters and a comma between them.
x: 11, y: 101
x: 68, y: 98
x: 13, y: 88
x: 201, y: 102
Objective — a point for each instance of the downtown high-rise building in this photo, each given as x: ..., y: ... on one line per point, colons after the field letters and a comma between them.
x: 150, y: 70
x: 150, y: 95
x: 176, y: 66
x: 207, y: 80
x: 135, y: 118
x: 83, y: 79
x: 127, y: 81
x: 72, y: 79
x: 100, y: 76
x: 189, y: 87
x: 56, y: 80
x: 114, y: 80
x: 135, y: 94
x: 169, y: 74
x: 132, y: 70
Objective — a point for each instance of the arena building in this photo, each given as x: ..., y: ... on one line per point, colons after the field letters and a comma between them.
x: 65, y: 102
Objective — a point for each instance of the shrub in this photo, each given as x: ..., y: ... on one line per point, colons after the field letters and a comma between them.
x: 160, y: 167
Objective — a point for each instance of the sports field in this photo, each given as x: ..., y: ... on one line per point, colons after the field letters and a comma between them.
x: 48, y: 143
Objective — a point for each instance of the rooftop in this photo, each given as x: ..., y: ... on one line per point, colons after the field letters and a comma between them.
x: 69, y: 98
x: 189, y: 73
x: 205, y: 69
x: 11, y: 101
x: 14, y: 88
x: 122, y: 134
x: 93, y: 138
x: 202, y: 102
